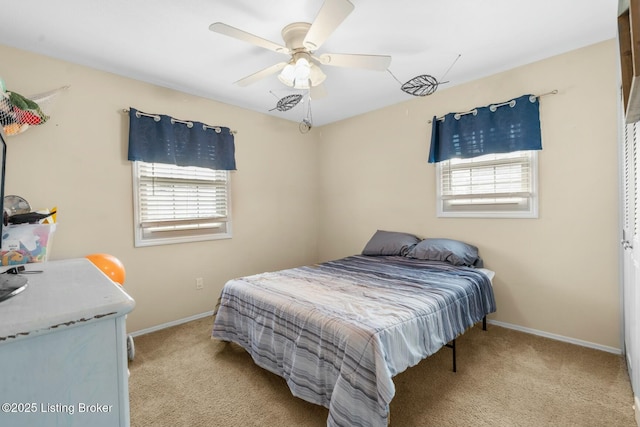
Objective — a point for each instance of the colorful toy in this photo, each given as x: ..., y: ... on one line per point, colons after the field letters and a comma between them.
x: 109, y: 265
x: 29, y: 241
x: 18, y: 112
x: 13, y: 258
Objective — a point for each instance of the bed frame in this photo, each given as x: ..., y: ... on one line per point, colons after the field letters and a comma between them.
x: 452, y: 344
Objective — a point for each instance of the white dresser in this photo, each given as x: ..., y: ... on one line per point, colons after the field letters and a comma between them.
x: 63, y: 353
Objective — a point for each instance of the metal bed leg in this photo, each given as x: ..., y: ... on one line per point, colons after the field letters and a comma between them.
x: 452, y: 346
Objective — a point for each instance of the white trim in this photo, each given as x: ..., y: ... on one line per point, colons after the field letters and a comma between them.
x: 506, y: 212
x: 557, y: 337
x: 140, y: 241
x: 172, y: 323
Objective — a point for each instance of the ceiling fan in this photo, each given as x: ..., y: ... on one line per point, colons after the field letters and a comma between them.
x: 301, y: 41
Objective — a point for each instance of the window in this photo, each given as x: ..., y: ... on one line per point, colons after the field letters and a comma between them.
x: 175, y: 204
x: 493, y: 185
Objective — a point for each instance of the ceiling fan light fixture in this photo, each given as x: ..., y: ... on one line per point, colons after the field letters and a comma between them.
x: 301, y: 84
x: 316, y: 76
x: 301, y: 75
x: 296, y: 76
x: 288, y: 75
x: 302, y: 69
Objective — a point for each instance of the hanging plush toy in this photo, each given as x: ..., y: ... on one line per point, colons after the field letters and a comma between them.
x: 26, y: 110
x: 17, y: 112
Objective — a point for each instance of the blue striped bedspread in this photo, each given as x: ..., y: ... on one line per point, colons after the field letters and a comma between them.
x: 339, y: 331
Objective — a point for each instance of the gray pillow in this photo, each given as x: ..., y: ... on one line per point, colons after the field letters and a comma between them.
x: 390, y: 243
x: 448, y: 250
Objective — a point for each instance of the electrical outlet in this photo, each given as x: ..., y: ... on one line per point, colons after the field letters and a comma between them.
x: 199, y: 283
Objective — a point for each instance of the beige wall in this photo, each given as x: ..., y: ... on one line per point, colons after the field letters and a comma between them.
x: 557, y: 273
x: 77, y: 162
x: 299, y: 198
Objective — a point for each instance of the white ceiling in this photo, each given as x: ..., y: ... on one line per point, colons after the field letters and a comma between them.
x: 168, y: 43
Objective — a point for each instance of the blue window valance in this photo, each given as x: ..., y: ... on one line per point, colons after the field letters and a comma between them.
x: 498, y: 128
x: 157, y: 138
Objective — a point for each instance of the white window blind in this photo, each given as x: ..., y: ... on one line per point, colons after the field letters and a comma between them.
x: 493, y: 185
x: 177, y: 204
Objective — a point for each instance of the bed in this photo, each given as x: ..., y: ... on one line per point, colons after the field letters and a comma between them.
x: 339, y: 331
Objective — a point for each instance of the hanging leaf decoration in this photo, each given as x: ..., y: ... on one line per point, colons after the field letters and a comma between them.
x: 422, y: 85
x: 287, y: 103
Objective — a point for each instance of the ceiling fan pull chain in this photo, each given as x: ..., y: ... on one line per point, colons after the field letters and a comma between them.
x: 307, y: 122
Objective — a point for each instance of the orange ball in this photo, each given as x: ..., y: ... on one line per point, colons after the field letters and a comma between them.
x: 110, y: 265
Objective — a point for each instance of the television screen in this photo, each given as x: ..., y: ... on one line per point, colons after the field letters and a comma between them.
x: 10, y: 284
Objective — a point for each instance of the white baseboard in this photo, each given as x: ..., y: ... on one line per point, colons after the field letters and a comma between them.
x: 636, y: 409
x: 170, y: 324
x: 557, y: 337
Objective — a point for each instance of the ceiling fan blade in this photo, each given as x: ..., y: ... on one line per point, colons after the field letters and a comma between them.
x: 331, y: 14
x: 371, y: 62
x: 318, y: 92
x: 228, y: 30
x: 246, y: 81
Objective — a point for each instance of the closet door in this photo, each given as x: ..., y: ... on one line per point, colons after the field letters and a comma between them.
x: 631, y: 252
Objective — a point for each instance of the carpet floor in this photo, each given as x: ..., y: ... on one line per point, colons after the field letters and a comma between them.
x: 181, y: 377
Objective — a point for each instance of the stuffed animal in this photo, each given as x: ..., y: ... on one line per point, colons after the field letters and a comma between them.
x: 17, y: 112
x: 26, y: 110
